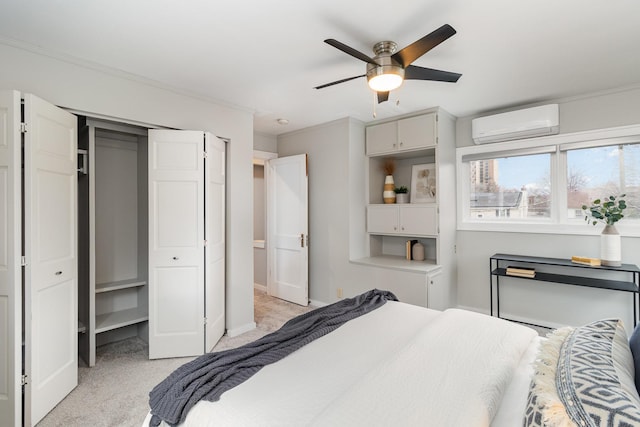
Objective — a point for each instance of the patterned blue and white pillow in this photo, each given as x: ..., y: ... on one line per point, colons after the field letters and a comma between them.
x: 585, y: 377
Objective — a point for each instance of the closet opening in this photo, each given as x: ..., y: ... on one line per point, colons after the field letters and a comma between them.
x: 112, y: 234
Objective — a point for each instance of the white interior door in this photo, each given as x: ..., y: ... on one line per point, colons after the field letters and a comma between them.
x: 176, y: 243
x: 10, y: 253
x: 51, y: 286
x: 287, y: 229
x: 215, y: 249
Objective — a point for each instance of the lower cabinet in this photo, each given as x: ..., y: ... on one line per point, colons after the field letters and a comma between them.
x: 437, y: 292
x: 409, y: 220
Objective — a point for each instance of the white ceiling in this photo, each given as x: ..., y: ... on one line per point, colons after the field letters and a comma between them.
x: 266, y: 56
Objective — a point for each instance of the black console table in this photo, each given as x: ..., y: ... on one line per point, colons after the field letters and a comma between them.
x: 498, y: 268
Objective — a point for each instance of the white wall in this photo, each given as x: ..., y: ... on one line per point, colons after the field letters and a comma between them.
x: 264, y: 142
x: 337, y: 215
x: 77, y: 86
x: 567, y: 304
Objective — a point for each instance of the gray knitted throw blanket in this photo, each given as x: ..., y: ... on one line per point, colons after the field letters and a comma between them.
x: 210, y: 375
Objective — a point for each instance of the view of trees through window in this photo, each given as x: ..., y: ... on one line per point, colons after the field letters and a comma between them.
x: 600, y: 172
x: 511, y: 187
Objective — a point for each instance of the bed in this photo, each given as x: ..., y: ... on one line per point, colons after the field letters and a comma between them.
x: 406, y: 365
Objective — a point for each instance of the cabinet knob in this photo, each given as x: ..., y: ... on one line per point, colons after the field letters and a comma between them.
x: 402, y: 228
x: 58, y: 273
x: 175, y: 258
x: 401, y: 143
x: 395, y: 228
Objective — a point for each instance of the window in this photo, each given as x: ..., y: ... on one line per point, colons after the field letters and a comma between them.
x: 598, y: 172
x: 540, y: 184
x: 517, y: 187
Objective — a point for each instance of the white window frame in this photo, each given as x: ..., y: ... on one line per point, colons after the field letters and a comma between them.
x: 557, y: 145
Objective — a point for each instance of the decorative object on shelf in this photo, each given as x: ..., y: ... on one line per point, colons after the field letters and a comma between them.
x: 402, y: 194
x: 607, y: 212
x: 389, y: 167
x: 423, y: 183
x: 594, y: 262
x: 521, y: 271
x: 417, y: 252
x: 409, y: 248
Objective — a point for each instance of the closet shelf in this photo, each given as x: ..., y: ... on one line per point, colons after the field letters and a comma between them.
x: 123, y: 284
x: 117, y: 319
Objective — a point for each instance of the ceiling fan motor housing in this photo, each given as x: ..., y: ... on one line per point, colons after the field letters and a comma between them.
x: 386, y: 64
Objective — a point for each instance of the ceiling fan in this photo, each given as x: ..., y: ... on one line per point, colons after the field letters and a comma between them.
x: 388, y: 69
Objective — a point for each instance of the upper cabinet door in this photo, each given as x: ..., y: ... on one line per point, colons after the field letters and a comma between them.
x: 51, y: 273
x: 176, y: 243
x: 10, y: 269
x: 409, y: 134
x: 381, y: 138
x: 417, y: 132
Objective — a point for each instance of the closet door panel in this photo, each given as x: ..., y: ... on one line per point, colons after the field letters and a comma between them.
x: 10, y: 269
x: 176, y: 243
x: 51, y: 294
x: 215, y: 220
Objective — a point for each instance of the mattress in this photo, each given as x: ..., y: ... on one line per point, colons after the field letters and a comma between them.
x: 314, y: 379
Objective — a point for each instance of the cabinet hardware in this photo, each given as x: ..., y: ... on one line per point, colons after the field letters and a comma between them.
x: 175, y: 258
x: 23, y: 380
x: 302, y: 240
x: 58, y: 273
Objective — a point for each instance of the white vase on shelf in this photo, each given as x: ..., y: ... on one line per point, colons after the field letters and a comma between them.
x: 610, y: 247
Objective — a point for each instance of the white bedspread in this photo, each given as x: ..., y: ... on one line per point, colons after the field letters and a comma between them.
x: 454, y: 373
x: 398, y: 365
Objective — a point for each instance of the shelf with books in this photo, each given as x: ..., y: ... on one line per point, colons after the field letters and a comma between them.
x: 507, y: 265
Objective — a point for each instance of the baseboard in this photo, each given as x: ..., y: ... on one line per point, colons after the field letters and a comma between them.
x: 259, y: 287
x: 318, y: 304
x: 241, y: 330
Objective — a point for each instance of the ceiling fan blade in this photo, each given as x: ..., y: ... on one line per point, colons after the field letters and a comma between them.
x: 413, y: 72
x: 383, y: 96
x: 418, y: 48
x: 338, y: 81
x: 350, y: 51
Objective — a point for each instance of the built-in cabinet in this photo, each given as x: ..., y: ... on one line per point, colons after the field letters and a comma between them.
x: 393, y: 219
x: 426, y: 138
x: 398, y: 136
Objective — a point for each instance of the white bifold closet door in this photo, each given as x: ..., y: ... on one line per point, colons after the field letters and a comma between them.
x: 10, y: 269
x: 51, y: 271
x: 185, y: 280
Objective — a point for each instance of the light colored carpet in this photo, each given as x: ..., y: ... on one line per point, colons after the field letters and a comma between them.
x: 115, y: 392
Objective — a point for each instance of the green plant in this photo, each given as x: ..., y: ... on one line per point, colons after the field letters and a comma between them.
x: 608, y: 212
x: 401, y: 190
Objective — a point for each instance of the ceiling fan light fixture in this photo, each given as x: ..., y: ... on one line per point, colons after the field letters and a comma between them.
x: 385, y: 78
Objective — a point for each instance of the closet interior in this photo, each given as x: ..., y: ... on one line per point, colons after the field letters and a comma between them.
x: 112, y: 234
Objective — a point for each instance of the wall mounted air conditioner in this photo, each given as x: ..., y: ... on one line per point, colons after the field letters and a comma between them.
x: 520, y: 124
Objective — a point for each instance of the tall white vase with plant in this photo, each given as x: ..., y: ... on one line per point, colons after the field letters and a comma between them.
x: 607, y: 212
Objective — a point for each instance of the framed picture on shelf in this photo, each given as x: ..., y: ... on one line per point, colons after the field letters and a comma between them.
x: 423, y: 183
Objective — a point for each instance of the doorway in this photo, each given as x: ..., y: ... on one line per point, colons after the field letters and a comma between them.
x: 260, y: 219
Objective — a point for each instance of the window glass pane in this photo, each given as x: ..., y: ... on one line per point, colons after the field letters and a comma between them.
x: 600, y: 172
x: 510, y: 188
